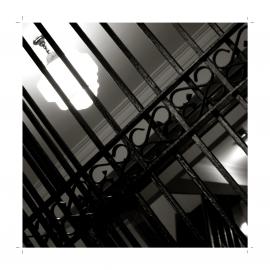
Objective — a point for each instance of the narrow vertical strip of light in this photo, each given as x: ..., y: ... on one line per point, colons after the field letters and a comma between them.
x: 85, y: 66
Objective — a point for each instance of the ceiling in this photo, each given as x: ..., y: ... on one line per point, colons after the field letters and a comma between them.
x: 109, y: 93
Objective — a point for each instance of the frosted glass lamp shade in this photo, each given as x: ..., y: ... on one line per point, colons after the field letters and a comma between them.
x: 87, y: 69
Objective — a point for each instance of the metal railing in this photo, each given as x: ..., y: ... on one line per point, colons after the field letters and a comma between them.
x: 95, y: 213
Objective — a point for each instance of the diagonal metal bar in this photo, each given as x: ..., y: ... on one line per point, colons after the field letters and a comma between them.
x: 229, y: 42
x: 48, y: 140
x: 77, y: 76
x: 120, y: 132
x: 48, y: 171
x: 44, y: 179
x: 111, y: 71
x: 126, y: 232
x: 56, y: 178
x: 117, y: 129
x: 197, y: 49
x: 62, y: 145
x: 206, y: 116
x: 72, y: 109
x: 174, y: 112
x: 171, y: 149
x: 121, y: 84
x: 201, y: 185
x: 176, y: 66
x: 78, y: 117
x: 51, y: 129
x: 167, y: 91
x: 57, y: 239
x: 26, y: 241
x: 34, y: 232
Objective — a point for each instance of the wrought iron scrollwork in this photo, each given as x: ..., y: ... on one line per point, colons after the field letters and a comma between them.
x: 205, y: 88
x: 233, y: 62
x: 62, y: 220
x: 106, y: 178
x: 153, y: 124
x: 44, y: 236
x: 197, y: 100
x: 65, y: 221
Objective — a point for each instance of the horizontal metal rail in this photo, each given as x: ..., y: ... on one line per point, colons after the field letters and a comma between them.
x: 175, y: 113
x: 107, y: 235
x: 206, y: 116
x: 176, y: 66
x: 117, y: 129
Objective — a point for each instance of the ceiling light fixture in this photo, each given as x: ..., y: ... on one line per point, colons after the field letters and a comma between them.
x: 85, y: 66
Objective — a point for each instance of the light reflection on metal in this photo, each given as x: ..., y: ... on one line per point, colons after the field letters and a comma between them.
x: 244, y: 228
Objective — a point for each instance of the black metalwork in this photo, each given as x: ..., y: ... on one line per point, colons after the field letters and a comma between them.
x: 93, y: 209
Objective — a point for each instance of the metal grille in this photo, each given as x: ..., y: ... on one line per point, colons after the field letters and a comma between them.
x: 112, y: 212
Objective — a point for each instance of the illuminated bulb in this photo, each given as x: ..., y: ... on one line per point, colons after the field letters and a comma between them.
x: 244, y: 228
x: 87, y: 69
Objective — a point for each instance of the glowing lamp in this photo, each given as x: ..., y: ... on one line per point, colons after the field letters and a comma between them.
x: 85, y: 66
x: 244, y: 228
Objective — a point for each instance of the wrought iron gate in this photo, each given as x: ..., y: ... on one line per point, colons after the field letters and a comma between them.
x: 111, y: 212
